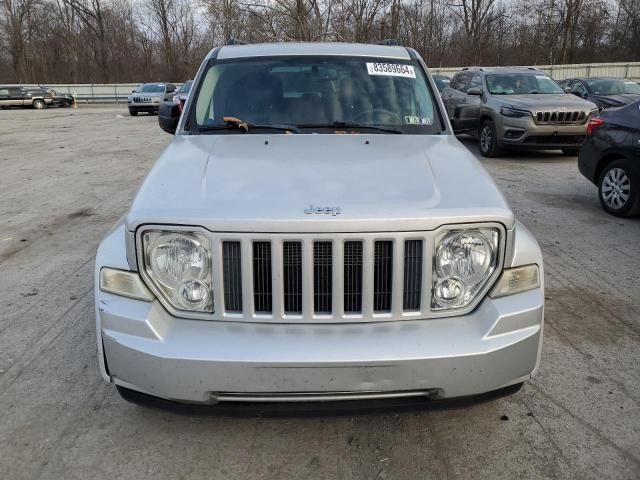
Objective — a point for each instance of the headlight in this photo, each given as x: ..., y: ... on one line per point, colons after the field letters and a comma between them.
x: 179, y: 266
x: 463, y: 262
x: 514, y: 112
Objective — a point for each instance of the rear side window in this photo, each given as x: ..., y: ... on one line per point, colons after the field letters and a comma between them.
x: 460, y: 82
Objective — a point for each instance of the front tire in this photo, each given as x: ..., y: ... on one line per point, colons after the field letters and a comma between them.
x: 38, y: 104
x: 488, y: 138
x: 619, y: 189
x: 133, y: 113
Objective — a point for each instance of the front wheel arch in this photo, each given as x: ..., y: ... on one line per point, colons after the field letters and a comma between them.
x: 631, y: 174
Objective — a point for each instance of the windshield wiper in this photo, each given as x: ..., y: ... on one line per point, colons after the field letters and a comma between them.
x: 232, y: 123
x: 341, y: 124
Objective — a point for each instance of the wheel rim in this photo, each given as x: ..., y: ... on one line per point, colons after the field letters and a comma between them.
x: 486, y: 138
x: 616, y: 188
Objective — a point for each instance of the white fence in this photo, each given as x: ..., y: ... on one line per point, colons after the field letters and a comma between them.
x: 118, y: 92
x: 629, y: 70
x: 98, y: 93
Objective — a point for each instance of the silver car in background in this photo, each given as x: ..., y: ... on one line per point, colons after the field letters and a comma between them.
x: 316, y: 234
x: 147, y: 97
x: 516, y: 108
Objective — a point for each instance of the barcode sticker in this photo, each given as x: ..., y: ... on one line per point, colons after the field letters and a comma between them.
x: 391, y: 69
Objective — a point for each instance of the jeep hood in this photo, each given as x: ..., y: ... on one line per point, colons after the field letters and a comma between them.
x: 541, y: 102
x: 264, y: 183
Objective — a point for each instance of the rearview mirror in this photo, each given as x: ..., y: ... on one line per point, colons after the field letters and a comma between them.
x: 169, y: 116
x: 474, y: 91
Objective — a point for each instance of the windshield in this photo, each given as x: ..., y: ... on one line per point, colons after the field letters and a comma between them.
x: 611, y: 86
x: 317, y: 93
x: 185, y: 86
x: 522, y: 84
x: 151, y: 88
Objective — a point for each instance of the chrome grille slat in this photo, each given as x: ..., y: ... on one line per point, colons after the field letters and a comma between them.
x: 352, y: 277
x: 412, y: 281
x: 262, y: 281
x: 292, y: 277
x: 383, y: 276
x: 232, y: 276
x: 322, y: 277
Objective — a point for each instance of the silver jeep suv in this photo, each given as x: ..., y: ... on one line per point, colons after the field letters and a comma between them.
x: 316, y: 233
x: 147, y: 97
x: 516, y: 107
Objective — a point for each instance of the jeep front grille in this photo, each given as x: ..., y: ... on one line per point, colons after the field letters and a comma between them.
x: 338, y: 277
x: 557, y: 117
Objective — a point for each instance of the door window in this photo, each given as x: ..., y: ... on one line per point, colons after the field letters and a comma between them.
x: 476, y: 81
x: 578, y: 87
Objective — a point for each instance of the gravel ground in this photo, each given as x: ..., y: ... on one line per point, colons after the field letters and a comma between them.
x: 67, y: 175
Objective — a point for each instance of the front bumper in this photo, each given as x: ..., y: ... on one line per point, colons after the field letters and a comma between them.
x: 144, y: 107
x: 525, y: 133
x: 194, y: 361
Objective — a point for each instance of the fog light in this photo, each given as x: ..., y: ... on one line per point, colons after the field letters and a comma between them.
x: 449, y: 291
x: 193, y: 293
x: 516, y: 280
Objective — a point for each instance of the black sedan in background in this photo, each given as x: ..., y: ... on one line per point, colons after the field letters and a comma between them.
x: 59, y: 99
x: 610, y: 158
x: 603, y: 91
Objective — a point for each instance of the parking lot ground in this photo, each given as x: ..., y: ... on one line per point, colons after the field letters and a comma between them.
x: 67, y: 175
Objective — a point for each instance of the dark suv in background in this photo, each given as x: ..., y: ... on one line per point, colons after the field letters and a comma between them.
x: 516, y: 107
x: 16, y: 96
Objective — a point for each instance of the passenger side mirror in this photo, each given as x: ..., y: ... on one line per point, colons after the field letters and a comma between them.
x: 474, y: 91
x: 171, y: 88
x: 168, y: 117
x: 133, y: 91
x: 568, y: 90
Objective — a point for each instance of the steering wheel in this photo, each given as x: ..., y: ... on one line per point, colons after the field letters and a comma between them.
x: 375, y: 111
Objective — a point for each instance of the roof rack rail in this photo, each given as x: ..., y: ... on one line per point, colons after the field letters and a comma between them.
x: 391, y: 42
x: 235, y: 41
x: 472, y: 68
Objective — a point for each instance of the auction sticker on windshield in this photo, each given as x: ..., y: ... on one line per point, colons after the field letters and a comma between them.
x: 391, y: 69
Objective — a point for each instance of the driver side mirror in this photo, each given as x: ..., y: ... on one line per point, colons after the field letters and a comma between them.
x: 169, y: 116
x: 568, y: 90
x: 171, y: 88
x: 474, y: 91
